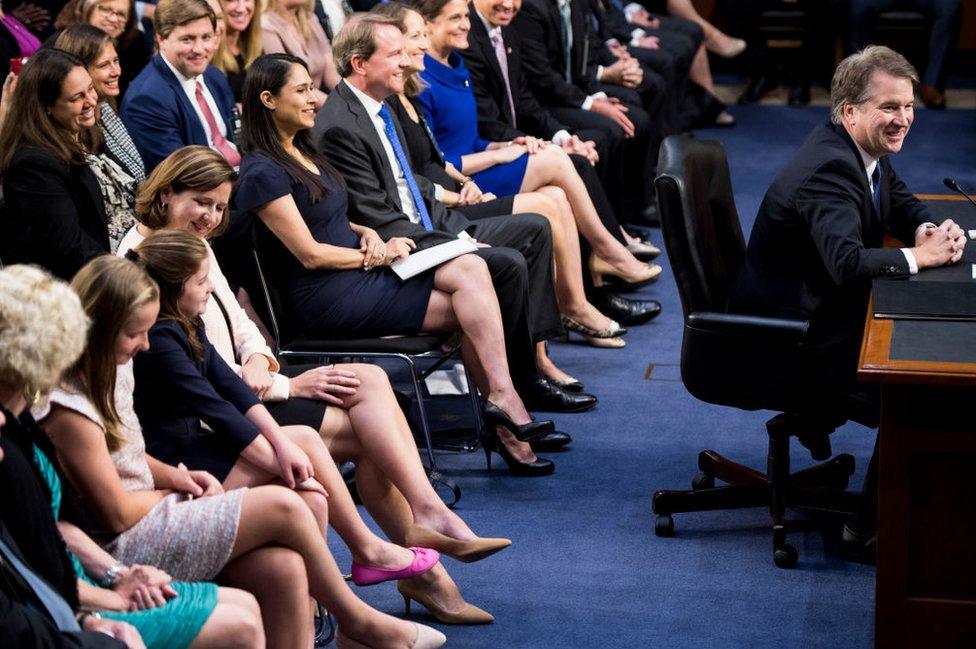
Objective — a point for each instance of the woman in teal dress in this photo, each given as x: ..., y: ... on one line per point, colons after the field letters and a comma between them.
x: 188, y: 606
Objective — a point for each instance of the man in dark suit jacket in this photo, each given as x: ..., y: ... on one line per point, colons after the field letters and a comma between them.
x: 352, y: 134
x: 500, y: 119
x: 179, y: 98
x: 582, y: 74
x: 817, y: 241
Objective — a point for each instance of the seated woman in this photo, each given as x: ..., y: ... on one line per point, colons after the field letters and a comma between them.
x: 290, y: 27
x: 241, y: 44
x: 118, y: 19
x: 43, y: 333
x: 96, y: 50
x: 54, y: 214
x: 189, y: 191
x: 264, y: 539
x: 503, y: 168
x: 577, y: 313
x: 325, y: 260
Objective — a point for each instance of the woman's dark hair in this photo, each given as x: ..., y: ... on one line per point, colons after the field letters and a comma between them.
x: 84, y: 41
x: 270, y: 73
x: 429, y: 9
x: 30, y: 123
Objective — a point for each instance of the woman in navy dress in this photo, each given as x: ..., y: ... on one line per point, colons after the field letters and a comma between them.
x: 337, y: 278
x: 526, y: 164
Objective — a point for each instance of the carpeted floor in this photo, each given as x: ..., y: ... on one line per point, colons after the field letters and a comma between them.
x: 585, y: 569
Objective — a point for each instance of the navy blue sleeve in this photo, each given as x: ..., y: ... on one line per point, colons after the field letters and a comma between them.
x: 261, y: 181
x: 211, y: 395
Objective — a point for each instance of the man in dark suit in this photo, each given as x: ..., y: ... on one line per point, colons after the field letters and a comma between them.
x: 568, y: 69
x: 507, y: 109
x: 365, y: 143
x: 817, y: 241
x: 179, y: 98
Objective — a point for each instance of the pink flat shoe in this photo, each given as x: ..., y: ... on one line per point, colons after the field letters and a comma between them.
x: 423, y: 560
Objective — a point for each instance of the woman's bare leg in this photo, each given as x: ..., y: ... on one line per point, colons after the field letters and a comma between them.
x: 715, y: 39
x: 277, y: 516
x: 276, y: 577
x: 340, y: 511
x: 235, y: 622
x: 373, y: 419
x: 550, y: 202
x: 552, y: 166
x: 701, y: 70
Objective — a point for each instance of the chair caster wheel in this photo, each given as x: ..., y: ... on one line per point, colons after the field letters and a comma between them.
x: 703, y: 480
x: 664, y: 525
x: 785, y: 557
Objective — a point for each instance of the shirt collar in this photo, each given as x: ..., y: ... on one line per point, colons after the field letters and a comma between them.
x: 491, y: 29
x: 372, y: 106
x: 186, y: 82
x: 869, y: 162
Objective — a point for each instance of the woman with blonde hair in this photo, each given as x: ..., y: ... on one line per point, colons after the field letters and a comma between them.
x: 290, y: 27
x: 242, y: 42
x: 263, y: 539
x: 189, y: 191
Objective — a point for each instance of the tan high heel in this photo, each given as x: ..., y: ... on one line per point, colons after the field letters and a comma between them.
x: 427, y: 638
x: 609, y: 337
x: 469, y: 615
x: 599, y: 268
x: 466, y: 551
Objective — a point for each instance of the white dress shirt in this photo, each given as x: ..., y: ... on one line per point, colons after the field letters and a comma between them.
x: 373, y: 108
x: 189, y: 86
x: 870, y: 164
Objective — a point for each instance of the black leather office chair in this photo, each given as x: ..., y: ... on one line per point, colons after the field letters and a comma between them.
x: 743, y: 361
x: 296, y: 346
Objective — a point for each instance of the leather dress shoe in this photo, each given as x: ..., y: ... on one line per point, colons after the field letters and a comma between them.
x: 624, y: 310
x: 551, y: 442
x: 544, y: 395
x: 757, y: 87
x: 858, y: 547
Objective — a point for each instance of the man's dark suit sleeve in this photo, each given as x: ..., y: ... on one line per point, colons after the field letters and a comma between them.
x: 906, y: 212
x: 26, y: 628
x: 830, y: 201
x: 550, y: 87
x: 154, y: 127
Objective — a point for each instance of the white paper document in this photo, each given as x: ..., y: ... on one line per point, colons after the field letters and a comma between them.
x: 432, y: 257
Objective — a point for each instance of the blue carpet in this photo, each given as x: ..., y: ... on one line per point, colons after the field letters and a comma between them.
x: 585, y: 569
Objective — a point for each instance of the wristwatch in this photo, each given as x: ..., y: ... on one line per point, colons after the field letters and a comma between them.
x: 108, y: 579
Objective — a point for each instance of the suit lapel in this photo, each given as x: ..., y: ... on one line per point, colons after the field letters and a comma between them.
x: 367, y: 128
x: 198, y: 133
x: 872, y: 225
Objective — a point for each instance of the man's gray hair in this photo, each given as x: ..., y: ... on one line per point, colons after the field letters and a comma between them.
x: 852, y: 80
x: 357, y: 38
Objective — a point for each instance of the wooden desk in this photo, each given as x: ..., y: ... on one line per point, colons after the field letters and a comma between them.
x: 926, y: 578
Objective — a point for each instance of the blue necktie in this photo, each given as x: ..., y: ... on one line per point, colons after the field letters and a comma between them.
x: 418, y: 199
x: 55, y: 605
x: 567, y: 30
x: 876, y: 189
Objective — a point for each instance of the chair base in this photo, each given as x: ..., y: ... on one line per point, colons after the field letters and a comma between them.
x: 820, y: 488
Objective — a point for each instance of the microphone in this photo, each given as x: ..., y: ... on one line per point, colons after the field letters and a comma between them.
x: 954, y: 186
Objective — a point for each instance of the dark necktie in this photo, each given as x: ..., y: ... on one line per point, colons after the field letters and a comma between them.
x: 566, y: 32
x: 53, y: 603
x: 876, y: 189
x: 418, y: 199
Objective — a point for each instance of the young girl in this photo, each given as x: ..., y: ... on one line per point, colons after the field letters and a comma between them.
x: 265, y: 539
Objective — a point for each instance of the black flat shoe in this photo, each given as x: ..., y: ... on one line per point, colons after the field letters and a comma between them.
x: 757, y: 87
x: 551, y: 442
x: 540, y: 467
x: 544, y: 395
x: 859, y: 548
x: 624, y: 310
x: 573, y: 386
x: 495, y: 416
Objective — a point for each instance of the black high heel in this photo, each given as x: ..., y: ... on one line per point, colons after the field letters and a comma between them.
x: 491, y: 444
x: 495, y: 416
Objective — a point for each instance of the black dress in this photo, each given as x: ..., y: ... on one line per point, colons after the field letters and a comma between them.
x: 327, y: 303
x: 236, y: 79
x: 427, y: 161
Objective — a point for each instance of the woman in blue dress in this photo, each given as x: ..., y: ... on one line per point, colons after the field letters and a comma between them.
x: 526, y: 163
x: 336, y: 278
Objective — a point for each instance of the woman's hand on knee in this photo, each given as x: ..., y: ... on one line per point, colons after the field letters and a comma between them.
x: 293, y: 463
x: 325, y: 383
x: 532, y: 144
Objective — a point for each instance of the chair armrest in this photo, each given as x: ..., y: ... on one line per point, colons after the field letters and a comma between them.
x: 734, y: 324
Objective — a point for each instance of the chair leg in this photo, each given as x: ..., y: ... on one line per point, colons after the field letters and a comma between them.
x: 715, y: 465
x: 778, y: 467
x: 832, y: 474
